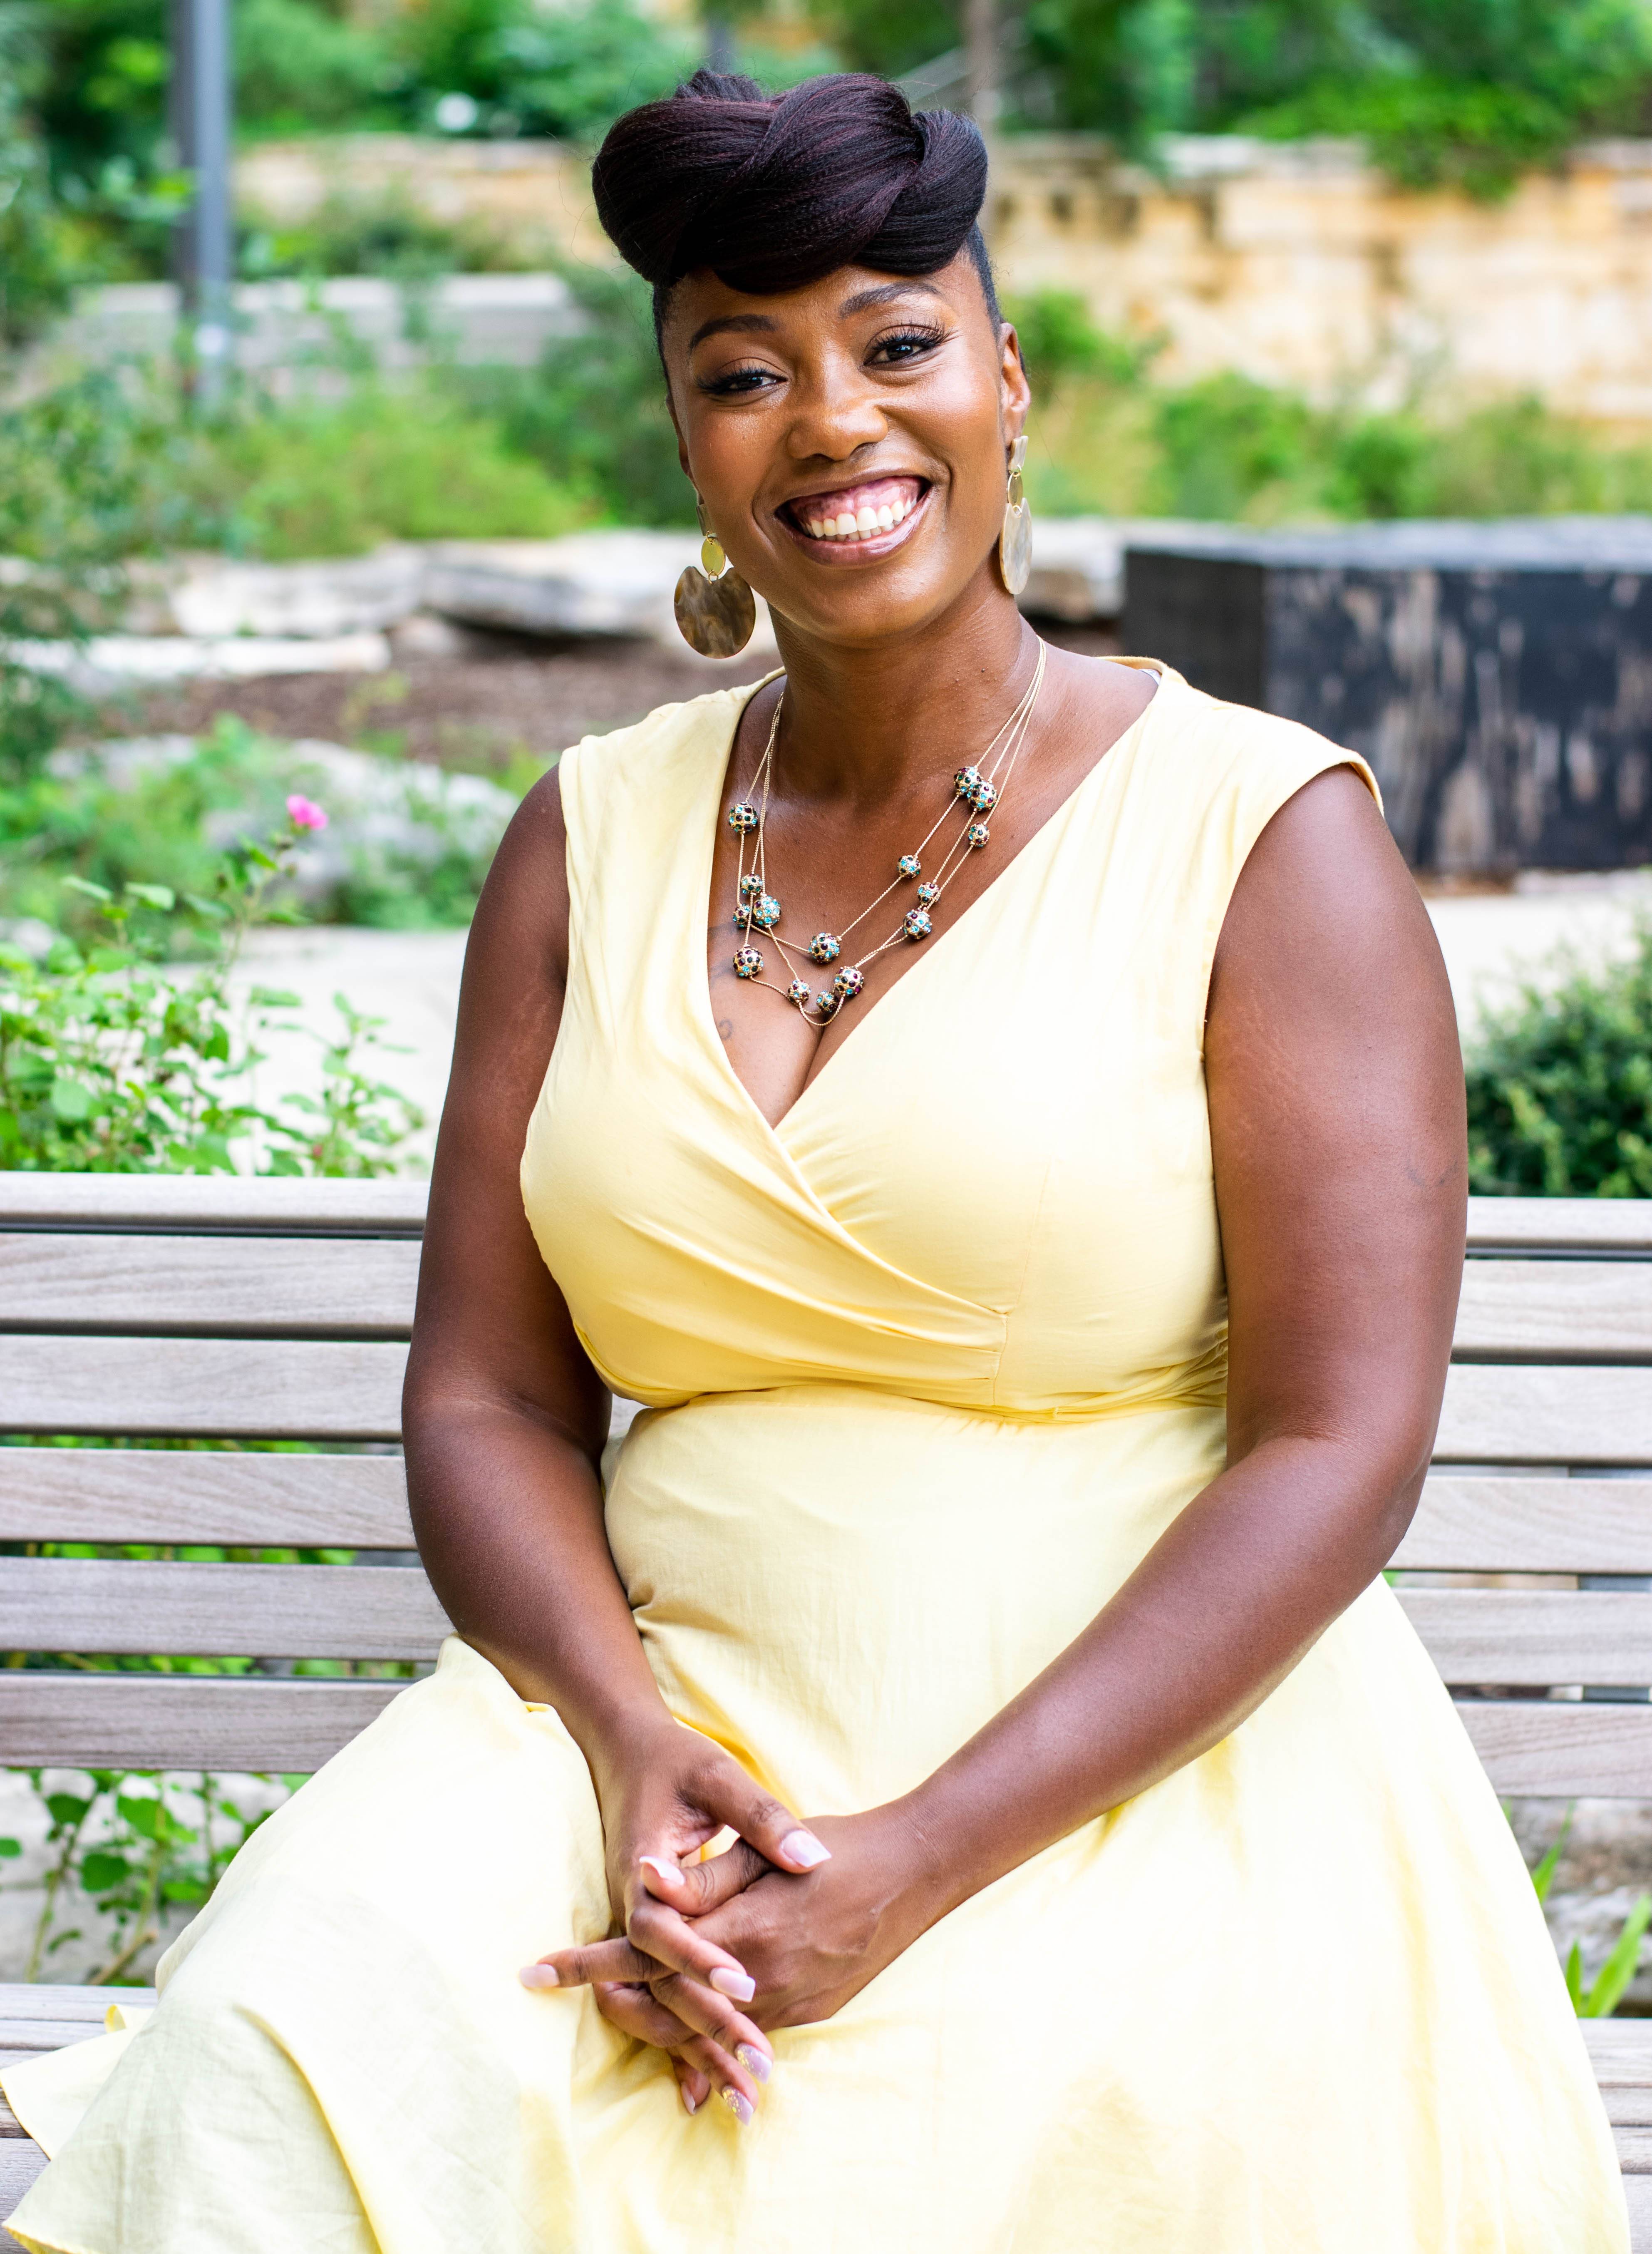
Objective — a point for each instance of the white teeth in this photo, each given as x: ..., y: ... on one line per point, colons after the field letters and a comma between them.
x: 861, y: 523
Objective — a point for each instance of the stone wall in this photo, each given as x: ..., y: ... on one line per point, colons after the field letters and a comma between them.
x: 1296, y: 263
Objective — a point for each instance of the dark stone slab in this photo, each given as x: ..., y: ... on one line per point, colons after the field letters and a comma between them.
x: 1497, y: 676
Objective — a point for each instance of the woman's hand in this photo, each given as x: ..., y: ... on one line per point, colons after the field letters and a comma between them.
x: 809, y: 1941
x: 663, y: 1795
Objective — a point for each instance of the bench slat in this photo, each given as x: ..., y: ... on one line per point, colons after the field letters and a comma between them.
x: 188, y: 1203
x: 181, y: 1721
x: 1529, y: 1636
x: 286, y: 1390
x: 252, y: 1287
x: 286, y: 1612
x: 1491, y: 1525
x: 1559, y: 1748
x: 1561, y: 1224
x: 1504, y: 1413
x: 1554, y: 1310
x: 206, y: 1495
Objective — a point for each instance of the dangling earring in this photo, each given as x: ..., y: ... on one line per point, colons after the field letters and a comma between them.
x: 1015, y: 541
x: 715, y: 614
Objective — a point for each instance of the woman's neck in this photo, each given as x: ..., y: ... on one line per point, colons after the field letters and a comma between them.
x: 866, y: 724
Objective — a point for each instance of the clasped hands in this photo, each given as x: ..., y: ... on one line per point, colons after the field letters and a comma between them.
x: 781, y: 1930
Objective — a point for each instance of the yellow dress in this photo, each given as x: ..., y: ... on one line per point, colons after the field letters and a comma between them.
x: 928, y: 1368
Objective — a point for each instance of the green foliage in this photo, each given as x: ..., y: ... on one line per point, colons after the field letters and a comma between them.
x: 594, y: 409
x: 565, y: 72
x: 1106, y: 438
x: 1560, y: 1088
x: 1469, y: 92
x: 1614, y: 1976
x: 130, y: 1845
x: 1611, y: 1984
x: 301, y: 69
x: 113, y: 1060
x: 114, y: 466
x: 335, y: 477
x: 37, y: 248
x: 1473, y: 91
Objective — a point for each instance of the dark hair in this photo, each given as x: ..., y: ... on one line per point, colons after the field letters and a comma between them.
x: 773, y: 194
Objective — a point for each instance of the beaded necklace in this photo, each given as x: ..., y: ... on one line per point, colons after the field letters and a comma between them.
x: 975, y: 790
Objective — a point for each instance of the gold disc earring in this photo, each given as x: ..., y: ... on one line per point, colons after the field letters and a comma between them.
x: 1015, y: 541
x: 716, y: 610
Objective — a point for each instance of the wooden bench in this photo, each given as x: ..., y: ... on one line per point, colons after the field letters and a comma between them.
x: 207, y: 1308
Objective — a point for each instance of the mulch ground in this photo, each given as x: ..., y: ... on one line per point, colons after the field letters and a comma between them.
x: 498, y: 697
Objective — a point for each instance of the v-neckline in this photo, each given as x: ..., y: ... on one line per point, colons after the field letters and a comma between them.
x: 704, y: 1013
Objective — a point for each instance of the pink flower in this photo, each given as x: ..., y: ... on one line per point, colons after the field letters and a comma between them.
x: 304, y: 814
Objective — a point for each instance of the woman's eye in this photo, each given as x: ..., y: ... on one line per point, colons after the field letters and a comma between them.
x: 730, y: 382
x: 904, y: 347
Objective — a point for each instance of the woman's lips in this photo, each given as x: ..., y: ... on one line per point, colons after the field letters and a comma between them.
x: 871, y: 517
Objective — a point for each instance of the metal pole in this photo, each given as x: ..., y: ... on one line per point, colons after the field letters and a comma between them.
x: 201, y: 124
x: 980, y: 55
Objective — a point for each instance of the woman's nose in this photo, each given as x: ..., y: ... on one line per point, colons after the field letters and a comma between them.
x: 834, y: 419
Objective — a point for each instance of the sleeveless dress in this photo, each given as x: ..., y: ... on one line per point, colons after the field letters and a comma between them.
x: 928, y: 1368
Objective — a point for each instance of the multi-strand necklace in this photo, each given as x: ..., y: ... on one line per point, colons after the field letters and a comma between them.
x: 975, y: 791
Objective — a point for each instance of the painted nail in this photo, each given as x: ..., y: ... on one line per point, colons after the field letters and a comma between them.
x: 539, y: 1976
x: 736, y: 1985
x: 690, y: 2103
x: 803, y: 1847
x: 738, y: 2106
x: 757, y: 2064
x: 669, y: 1872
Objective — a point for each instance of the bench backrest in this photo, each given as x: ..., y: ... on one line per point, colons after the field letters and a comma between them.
x: 204, y: 1309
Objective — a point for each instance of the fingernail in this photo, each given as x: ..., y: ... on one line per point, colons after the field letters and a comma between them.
x: 756, y: 2064
x: 803, y: 1847
x: 667, y: 1871
x: 729, y: 1983
x: 738, y: 2106
x: 539, y: 1976
x: 690, y: 2103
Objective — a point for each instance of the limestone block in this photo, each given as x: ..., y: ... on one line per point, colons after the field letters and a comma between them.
x: 606, y: 584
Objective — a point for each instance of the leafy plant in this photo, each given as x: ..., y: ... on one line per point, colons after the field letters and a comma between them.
x: 1611, y: 1984
x: 594, y: 409
x: 132, y: 1844
x: 1560, y: 1088
x: 113, y: 1059
x: 1109, y: 439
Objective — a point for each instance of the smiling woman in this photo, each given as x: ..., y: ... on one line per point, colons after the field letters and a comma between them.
x: 1039, y: 1361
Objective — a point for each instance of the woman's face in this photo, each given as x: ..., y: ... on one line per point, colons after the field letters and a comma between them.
x: 849, y: 439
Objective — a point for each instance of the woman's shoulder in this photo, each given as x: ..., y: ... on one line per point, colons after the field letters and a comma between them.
x: 1228, y: 768
x: 647, y: 755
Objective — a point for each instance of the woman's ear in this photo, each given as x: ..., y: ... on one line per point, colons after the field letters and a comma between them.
x: 1017, y: 392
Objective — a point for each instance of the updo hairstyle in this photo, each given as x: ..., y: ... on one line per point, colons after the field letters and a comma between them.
x: 773, y: 194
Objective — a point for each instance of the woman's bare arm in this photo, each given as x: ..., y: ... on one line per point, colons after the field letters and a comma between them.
x: 504, y: 1417
x: 1337, y: 1119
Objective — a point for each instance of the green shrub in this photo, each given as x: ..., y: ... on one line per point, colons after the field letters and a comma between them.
x: 114, y: 1060
x: 593, y: 411
x: 1560, y: 1088
x: 333, y: 479
x: 1107, y: 438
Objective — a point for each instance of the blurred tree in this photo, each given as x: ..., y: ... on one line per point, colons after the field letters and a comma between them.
x: 37, y: 252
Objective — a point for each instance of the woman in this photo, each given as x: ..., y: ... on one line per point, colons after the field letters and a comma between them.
x: 1041, y: 1284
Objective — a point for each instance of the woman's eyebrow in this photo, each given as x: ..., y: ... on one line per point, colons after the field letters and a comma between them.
x: 726, y: 321
x: 884, y: 293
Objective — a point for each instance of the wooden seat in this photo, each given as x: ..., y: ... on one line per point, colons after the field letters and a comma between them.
x: 145, y: 1307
